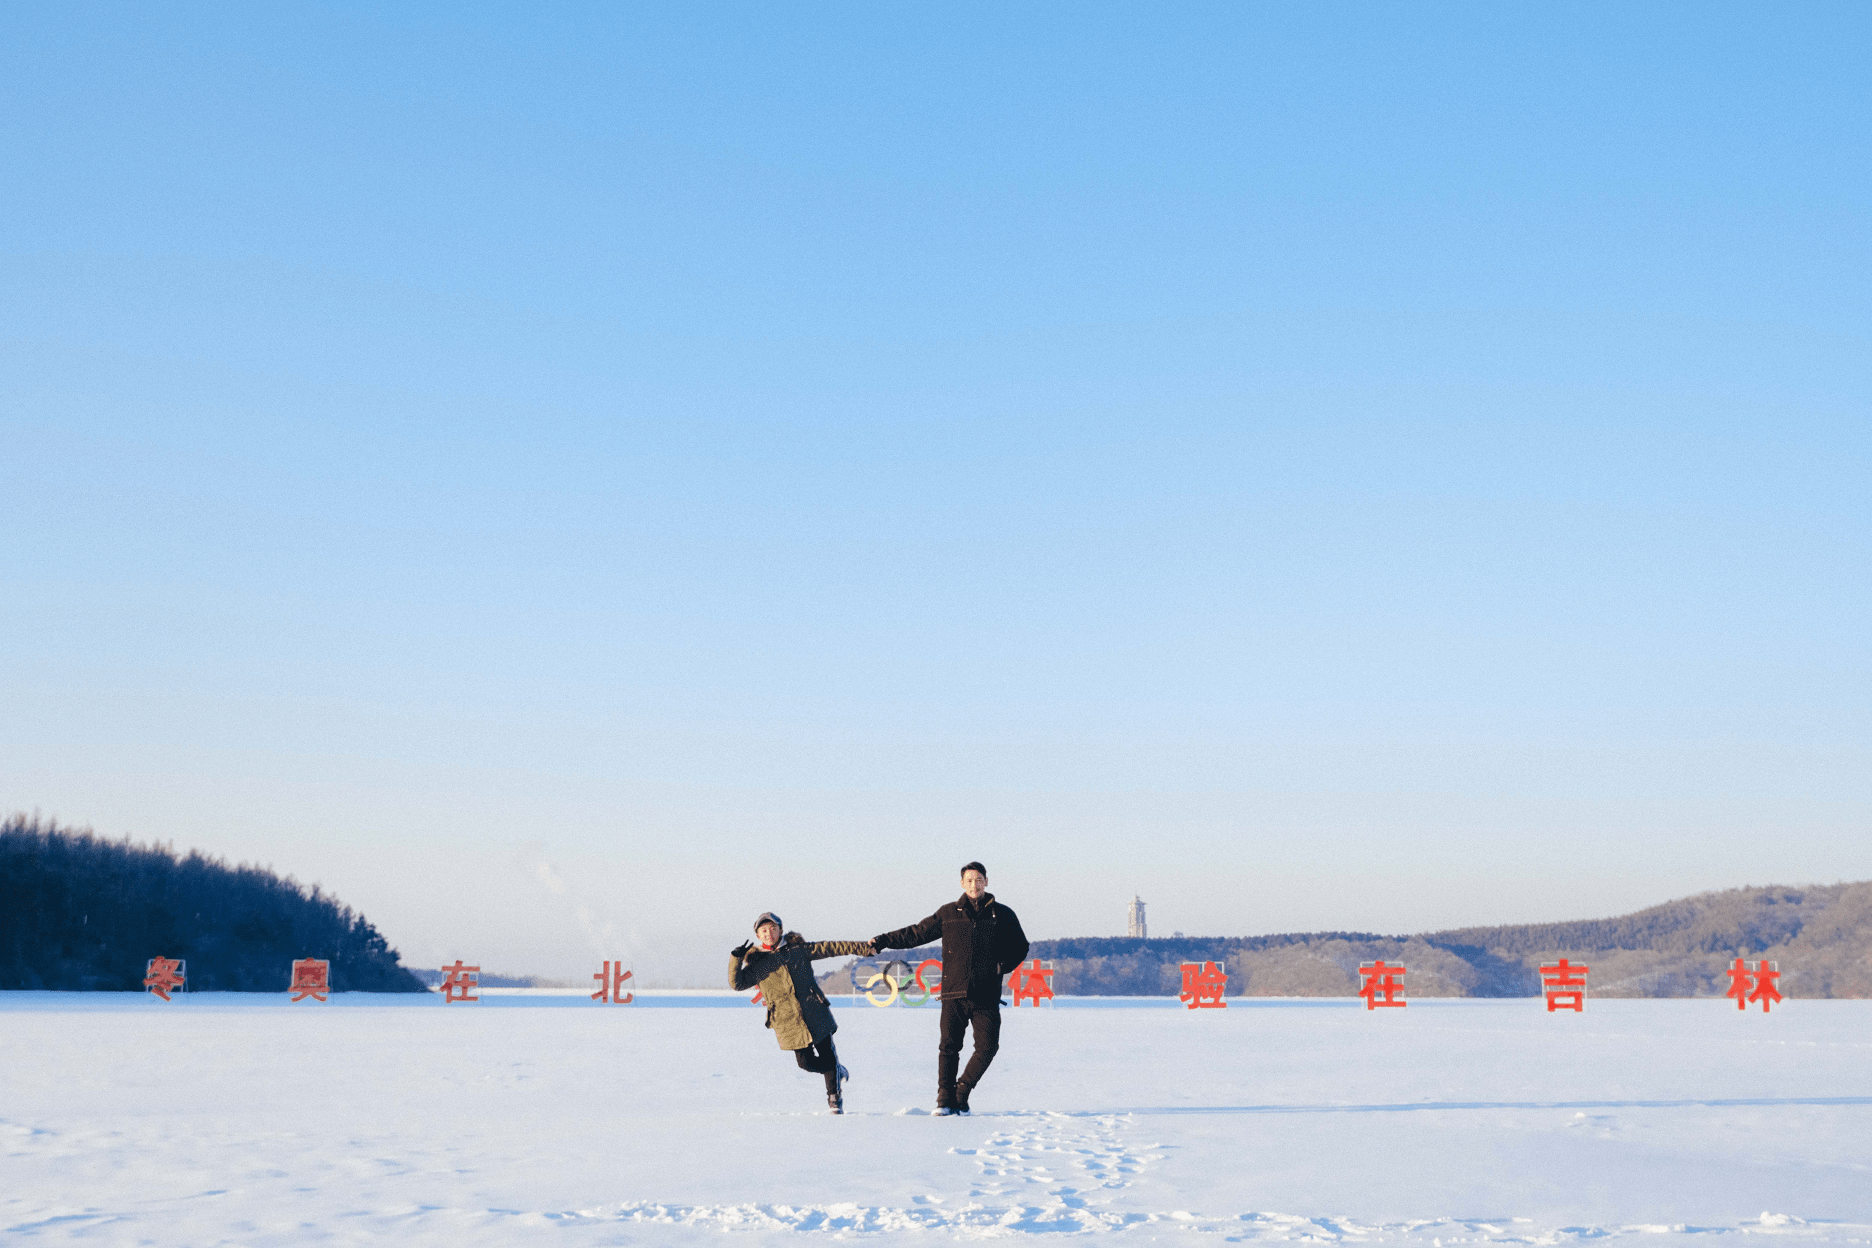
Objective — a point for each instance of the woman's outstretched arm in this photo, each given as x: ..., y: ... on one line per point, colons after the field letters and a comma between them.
x: 839, y: 949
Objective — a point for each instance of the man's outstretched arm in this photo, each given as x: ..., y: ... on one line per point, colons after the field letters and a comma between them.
x: 912, y: 936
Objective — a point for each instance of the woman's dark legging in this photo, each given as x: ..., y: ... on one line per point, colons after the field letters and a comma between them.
x: 820, y: 1058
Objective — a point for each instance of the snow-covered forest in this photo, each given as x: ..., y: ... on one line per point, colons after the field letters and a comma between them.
x: 78, y: 911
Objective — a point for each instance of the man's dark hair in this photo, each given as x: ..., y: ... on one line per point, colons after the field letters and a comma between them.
x: 973, y: 866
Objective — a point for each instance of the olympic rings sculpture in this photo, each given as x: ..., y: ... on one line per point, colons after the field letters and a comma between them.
x: 895, y: 980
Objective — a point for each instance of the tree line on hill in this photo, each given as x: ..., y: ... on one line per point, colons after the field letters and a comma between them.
x: 1820, y: 935
x: 81, y: 912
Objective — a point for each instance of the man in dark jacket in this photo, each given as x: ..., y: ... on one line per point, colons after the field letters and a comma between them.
x: 982, y: 942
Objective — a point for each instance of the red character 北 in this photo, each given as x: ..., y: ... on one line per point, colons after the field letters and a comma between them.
x: 611, y: 984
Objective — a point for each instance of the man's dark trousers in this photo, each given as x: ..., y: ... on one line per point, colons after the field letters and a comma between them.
x: 960, y: 1014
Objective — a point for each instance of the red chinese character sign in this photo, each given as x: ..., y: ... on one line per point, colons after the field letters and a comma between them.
x: 1383, y: 984
x: 611, y: 985
x: 164, y: 974
x: 1032, y: 980
x: 1751, y: 984
x: 311, y: 977
x: 1564, y: 986
x: 459, y: 982
x: 1203, y: 986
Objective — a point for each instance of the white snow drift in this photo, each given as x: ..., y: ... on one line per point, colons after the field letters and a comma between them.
x: 231, y: 1119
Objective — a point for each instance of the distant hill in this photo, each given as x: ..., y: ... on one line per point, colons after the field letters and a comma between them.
x: 81, y: 912
x: 1820, y: 934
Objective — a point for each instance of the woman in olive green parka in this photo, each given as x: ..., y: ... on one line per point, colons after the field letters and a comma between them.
x: 797, y: 1010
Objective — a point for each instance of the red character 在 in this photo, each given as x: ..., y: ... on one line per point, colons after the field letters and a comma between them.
x: 311, y: 977
x: 162, y: 974
x: 459, y: 982
x: 1564, y: 985
x: 611, y: 984
x: 1203, y: 985
x: 1383, y: 984
x: 1033, y: 980
x: 1748, y: 985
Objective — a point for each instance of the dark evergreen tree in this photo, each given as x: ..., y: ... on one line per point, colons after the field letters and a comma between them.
x: 78, y: 911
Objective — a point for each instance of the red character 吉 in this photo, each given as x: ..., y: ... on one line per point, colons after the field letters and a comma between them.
x: 1564, y: 985
x: 311, y: 977
x: 1383, y: 984
x: 459, y: 982
x: 611, y: 985
x: 1033, y: 980
x: 1203, y: 986
x: 1748, y: 984
x: 162, y: 974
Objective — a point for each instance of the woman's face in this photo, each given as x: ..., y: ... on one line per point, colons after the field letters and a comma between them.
x: 768, y: 934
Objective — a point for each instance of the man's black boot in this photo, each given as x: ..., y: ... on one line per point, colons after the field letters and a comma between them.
x: 946, y: 1064
x: 960, y: 1101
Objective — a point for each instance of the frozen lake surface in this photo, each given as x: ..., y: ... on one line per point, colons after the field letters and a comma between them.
x: 241, y: 1119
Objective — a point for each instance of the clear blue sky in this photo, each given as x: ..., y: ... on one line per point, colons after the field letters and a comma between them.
x: 572, y: 479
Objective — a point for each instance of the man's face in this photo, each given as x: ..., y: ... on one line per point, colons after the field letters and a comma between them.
x: 768, y: 934
x: 974, y: 883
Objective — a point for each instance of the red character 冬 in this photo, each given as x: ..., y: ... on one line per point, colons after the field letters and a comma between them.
x: 162, y: 974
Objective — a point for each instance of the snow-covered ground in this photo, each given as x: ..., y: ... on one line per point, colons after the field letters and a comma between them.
x: 236, y: 1119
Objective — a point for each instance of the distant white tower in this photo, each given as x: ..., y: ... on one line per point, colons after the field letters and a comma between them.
x: 1134, y: 919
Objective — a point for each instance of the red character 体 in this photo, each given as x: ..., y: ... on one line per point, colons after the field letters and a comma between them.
x: 1748, y: 985
x: 311, y: 978
x: 1033, y: 980
x: 163, y: 974
x: 459, y: 982
x: 611, y: 984
x: 1383, y: 984
x: 1564, y: 985
x: 1203, y: 985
